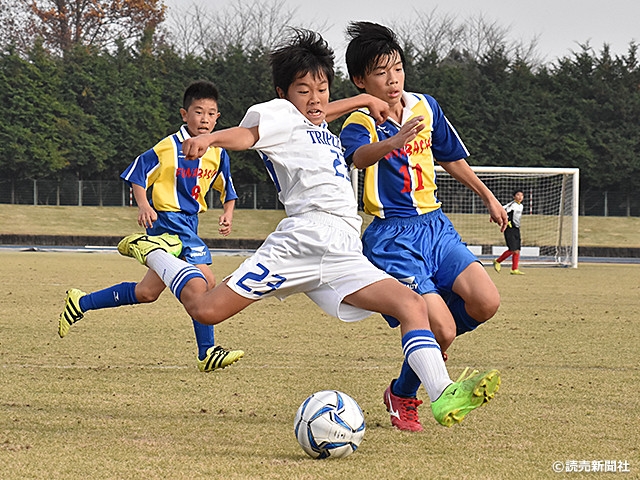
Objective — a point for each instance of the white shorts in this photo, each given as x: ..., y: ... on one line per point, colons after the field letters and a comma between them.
x: 315, y: 253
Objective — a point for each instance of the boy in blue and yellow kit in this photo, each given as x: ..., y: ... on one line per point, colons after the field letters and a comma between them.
x: 178, y: 196
x: 410, y: 238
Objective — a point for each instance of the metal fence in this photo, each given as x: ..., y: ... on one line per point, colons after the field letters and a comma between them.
x: 262, y: 196
x: 116, y: 193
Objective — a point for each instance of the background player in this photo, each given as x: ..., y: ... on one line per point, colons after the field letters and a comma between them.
x: 178, y: 188
x: 315, y: 250
x: 512, y: 234
x: 410, y: 238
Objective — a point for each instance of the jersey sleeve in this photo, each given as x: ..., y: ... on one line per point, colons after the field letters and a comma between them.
x: 446, y: 145
x: 275, y: 121
x: 223, y: 182
x: 359, y: 129
x: 140, y: 171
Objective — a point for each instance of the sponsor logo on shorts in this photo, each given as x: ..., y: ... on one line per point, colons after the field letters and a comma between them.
x: 409, y: 282
x: 198, y: 252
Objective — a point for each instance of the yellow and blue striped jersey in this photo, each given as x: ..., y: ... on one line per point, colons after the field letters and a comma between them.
x: 180, y: 185
x: 403, y: 184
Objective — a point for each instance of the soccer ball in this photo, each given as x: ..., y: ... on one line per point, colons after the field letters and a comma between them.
x: 329, y: 424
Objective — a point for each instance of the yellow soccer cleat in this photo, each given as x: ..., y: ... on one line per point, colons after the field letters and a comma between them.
x: 218, y: 358
x: 496, y: 266
x: 139, y: 245
x: 516, y: 272
x: 465, y: 395
x: 72, y: 311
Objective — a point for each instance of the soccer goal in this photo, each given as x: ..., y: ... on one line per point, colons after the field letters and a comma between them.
x: 549, y: 224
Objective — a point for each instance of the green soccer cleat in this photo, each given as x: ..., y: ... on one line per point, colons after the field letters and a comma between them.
x: 218, y: 358
x: 516, y: 272
x: 496, y: 266
x: 72, y: 311
x: 139, y: 245
x: 464, y: 395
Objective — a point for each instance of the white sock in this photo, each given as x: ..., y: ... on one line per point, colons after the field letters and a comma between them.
x: 428, y: 364
x: 165, y: 265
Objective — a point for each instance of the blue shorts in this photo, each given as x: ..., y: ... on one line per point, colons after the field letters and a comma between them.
x: 194, y: 250
x: 424, y: 252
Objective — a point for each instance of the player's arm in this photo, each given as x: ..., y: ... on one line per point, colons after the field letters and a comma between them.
x: 225, y: 220
x: 367, y: 155
x: 378, y: 109
x: 461, y: 171
x: 234, y: 138
x: 146, y: 214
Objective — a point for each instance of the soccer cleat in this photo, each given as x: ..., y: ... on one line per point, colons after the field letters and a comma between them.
x: 464, y: 395
x: 516, y: 272
x: 496, y: 266
x: 403, y: 411
x: 218, y: 358
x: 139, y: 245
x: 72, y: 311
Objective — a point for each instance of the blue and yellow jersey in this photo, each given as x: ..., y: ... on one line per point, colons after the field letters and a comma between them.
x: 180, y: 185
x: 403, y: 184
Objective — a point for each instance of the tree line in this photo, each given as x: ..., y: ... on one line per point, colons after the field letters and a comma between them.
x: 84, y: 100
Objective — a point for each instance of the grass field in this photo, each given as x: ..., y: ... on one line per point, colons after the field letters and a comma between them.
x: 48, y: 220
x: 121, y: 398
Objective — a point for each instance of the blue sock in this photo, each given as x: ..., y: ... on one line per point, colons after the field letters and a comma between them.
x: 204, y: 337
x: 464, y: 321
x: 114, y: 296
x: 407, y: 383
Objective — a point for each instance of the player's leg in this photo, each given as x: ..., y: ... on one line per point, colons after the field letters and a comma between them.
x: 515, y: 245
x: 476, y: 298
x: 78, y: 302
x: 515, y: 270
x: 186, y: 282
x: 450, y: 401
x: 421, y: 348
x: 506, y: 254
x: 211, y: 356
x: 400, y: 397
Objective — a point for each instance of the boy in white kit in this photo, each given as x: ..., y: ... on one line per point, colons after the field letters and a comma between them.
x: 317, y: 249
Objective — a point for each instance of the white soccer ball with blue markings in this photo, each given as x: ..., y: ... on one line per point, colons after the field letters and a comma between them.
x: 329, y: 424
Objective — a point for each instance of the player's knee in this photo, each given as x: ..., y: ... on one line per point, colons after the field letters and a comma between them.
x: 486, y: 309
x: 203, y: 313
x: 146, y: 296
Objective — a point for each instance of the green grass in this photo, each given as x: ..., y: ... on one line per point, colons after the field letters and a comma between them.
x: 121, y: 398
x: 48, y: 220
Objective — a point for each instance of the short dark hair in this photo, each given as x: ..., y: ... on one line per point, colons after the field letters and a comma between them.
x: 197, y: 91
x: 305, y: 52
x: 369, y: 43
x: 517, y: 190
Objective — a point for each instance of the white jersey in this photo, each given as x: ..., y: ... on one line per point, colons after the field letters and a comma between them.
x: 305, y: 161
x: 514, y: 211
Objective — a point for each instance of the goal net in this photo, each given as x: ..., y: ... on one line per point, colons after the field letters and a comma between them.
x: 549, y: 225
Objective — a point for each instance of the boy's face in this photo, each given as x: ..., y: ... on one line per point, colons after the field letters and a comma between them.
x: 385, y: 80
x: 518, y: 197
x: 201, y: 116
x: 310, y: 95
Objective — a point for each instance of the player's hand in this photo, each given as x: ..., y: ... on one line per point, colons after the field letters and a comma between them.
x: 195, y: 147
x: 146, y: 216
x: 408, y: 132
x: 498, y: 214
x: 224, y: 225
x: 378, y: 109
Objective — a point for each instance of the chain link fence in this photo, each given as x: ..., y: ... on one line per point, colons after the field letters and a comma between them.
x: 115, y: 193
x: 260, y: 196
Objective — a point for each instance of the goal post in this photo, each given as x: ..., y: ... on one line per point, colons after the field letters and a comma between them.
x: 549, y: 224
